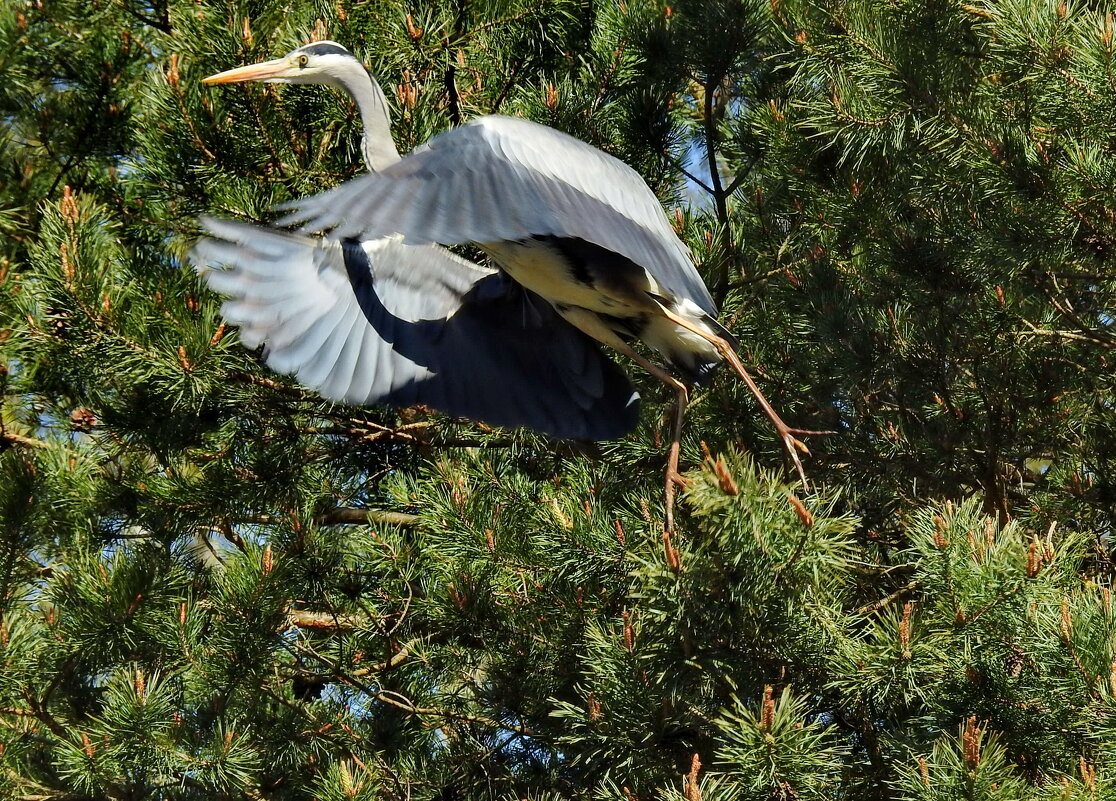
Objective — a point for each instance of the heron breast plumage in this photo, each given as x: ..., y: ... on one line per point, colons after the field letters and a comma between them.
x: 609, y: 297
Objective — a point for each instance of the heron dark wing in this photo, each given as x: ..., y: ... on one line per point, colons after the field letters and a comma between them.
x: 382, y: 322
x: 506, y: 179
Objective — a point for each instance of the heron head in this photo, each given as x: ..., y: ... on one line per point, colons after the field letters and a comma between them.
x: 317, y: 62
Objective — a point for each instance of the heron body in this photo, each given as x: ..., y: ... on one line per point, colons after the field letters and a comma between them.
x: 565, y: 220
x: 584, y: 248
x: 371, y: 320
x: 531, y: 198
x: 610, y: 298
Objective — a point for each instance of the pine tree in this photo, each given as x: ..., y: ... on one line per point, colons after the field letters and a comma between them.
x: 217, y: 585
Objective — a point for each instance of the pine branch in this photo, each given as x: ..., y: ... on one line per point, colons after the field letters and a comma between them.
x: 325, y: 621
x: 690, y: 176
x: 345, y: 516
x: 22, y: 441
x: 230, y: 534
x: 397, y: 659
x: 899, y: 594
x: 402, y: 702
x: 77, y: 156
x: 517, y: 64
x: 348, y: 516
x: 452, y: 97
x: 720, y: 199
x: 162, y: 24
x: 270, y: 383
x: 1091, y: 337
x: 26, y: 713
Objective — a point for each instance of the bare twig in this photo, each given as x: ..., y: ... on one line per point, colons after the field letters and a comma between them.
x: 22, y: 441
x: 345, y: 516
x: 690, y: 176
x: 508, y: 84
x: 325, y: 621
x: 229, y: 533
x: 453, y: 98
x: 402, y: 702
x: 398, y: 659
x: 888, y: 600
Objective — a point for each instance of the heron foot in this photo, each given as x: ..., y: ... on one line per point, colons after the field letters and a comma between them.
x: 793, y: 446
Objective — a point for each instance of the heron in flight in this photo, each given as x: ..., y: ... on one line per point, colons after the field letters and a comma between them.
x: 376, y: 321
x: 569, y: 224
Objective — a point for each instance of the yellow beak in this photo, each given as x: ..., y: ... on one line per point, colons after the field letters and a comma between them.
x: 252, y: 72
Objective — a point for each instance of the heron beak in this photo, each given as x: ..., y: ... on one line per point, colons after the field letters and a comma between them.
x: 252, y: 72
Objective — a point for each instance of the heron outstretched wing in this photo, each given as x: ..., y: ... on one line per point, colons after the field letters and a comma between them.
x: 384, y: 322
x: 506, y: 179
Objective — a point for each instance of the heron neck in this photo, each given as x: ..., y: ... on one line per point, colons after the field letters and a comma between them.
x: 377, y: 145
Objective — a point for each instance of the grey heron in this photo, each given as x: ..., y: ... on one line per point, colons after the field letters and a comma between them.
x: 376, y: 321
x: 568, y: 223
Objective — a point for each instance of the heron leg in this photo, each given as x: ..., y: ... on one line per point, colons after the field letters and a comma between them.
x: 788, y: 435
x: 592, y: 324
x: 673, y: 476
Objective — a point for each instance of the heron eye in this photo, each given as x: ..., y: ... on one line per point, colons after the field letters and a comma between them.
x: 303, y: 61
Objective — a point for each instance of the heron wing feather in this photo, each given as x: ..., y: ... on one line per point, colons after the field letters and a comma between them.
x: 385, y: 322
x: 503, y: 178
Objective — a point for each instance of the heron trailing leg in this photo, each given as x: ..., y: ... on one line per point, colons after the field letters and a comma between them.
x: 788, y: 435
x: 673, y: 477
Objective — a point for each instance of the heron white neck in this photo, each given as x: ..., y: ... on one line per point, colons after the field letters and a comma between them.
x: 377, y: 146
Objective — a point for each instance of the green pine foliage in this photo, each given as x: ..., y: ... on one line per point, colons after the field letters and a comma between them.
x: 216, y: 585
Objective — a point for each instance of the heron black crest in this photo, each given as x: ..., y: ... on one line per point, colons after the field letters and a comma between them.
x: 326, y: 49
